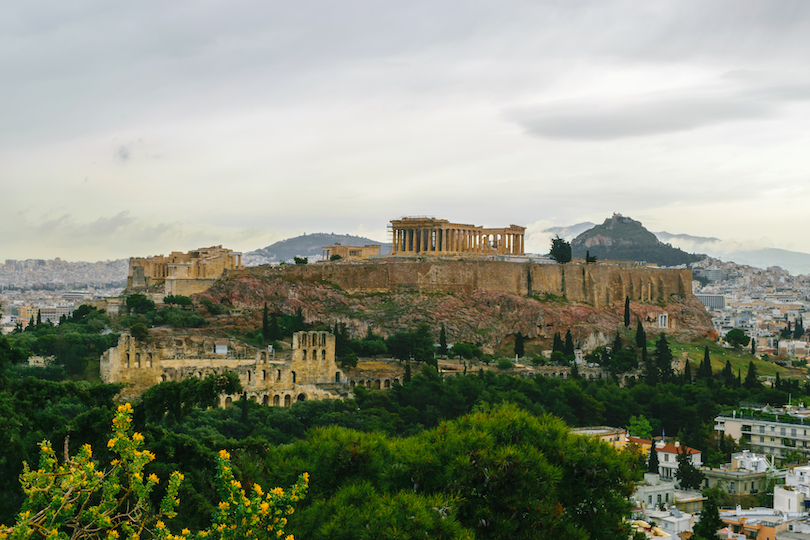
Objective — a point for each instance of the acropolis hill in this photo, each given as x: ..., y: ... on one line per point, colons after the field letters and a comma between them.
x: 478, y: 300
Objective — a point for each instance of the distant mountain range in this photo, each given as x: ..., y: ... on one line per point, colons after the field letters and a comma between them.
x: 793, y: 261
x: 307, y: 245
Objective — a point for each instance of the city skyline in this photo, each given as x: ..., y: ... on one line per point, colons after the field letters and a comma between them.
x: 133, y: 130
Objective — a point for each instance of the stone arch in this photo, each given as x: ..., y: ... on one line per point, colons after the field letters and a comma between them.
x: 264, y: 374
x: 149, y: 360
x: 351, y: 384
x: 278, y: 375
x: 127, y: 361
x: 387, y: 383
x: 396, y: 381
x: 301, y: 397
x: 137, y: 360
x: 323, y: 339
x: 248, y: 375
x: 266, y: 400
x: 323, y: 354
x: 314, y: 355
x: 303, y: 340
x: 293, y: 376
x: 287, y: 401
x: 304, y: 355
x: 163, y: 378
x: 377, y: 384
x: 276, y: 401
x: 337, y: 376
x: 199, y: 374
x: 254, y: 398
x: 228, y: 402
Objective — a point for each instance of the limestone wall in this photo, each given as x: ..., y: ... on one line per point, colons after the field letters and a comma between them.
x: 593, y: 284
x: 278, y: 379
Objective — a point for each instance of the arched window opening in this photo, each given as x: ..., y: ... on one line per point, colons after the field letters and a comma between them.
x: 287, y: 401
x: 276, y: 401
x: 293, y: 376
x: 302, y: 397
x: 337, y: 376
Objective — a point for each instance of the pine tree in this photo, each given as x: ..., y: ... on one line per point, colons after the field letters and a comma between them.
x: 710, y: 523
x: 442, y: 341
x: 751, y: 380
x: 663, y: 358
x: 519, y: 348
x: 641, y: 336
x: 627, y: 312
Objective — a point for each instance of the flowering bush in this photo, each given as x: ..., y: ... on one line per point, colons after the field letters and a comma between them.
x: 78, y: 501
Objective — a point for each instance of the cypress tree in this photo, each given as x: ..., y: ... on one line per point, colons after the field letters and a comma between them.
x: 641, y: 336
x: 651, y: 371
x: 687, y: 373
x: 652, y: 461
x: 39, y: 317
x: 558, y: 344
x: 738, y: 383
x: 617, y: 344
x: 705, y: 369
x: 265, y: 324
x: 728, y: 375
x: 798, y: 332
x: 753, y: 346
x: 519, y: 348
x: 663, y: 358
x: 407, y: 378
x: 627, y: 312
x: 751, y: 380
x: 778, y: 383
x: 442, y: 341
x: 275, y: 331
x: 569, y: 345
x: 709, y: 522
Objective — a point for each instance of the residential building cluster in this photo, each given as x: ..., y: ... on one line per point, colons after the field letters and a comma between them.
x: 763, y: 303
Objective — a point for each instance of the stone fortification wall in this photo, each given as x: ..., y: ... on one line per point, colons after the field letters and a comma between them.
x: 308, y: 371
x: 597, y: 285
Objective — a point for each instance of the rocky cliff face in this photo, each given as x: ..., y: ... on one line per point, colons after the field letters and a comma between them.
x: 485, y: 317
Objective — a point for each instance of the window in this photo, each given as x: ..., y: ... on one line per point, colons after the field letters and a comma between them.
x: 781, y: 431
x: 666, y: 457
x: 771, y: 439
x: 793, y: 432
x: 762, y: 429
x: 762, y: 439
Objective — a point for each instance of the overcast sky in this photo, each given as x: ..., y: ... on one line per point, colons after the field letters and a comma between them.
x: 144, y: 127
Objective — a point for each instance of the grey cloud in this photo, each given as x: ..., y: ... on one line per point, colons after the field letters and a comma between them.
x: 122, y: 154
x: 590, y: 121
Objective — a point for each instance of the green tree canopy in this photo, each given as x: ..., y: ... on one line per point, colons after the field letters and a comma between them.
x: 737, y: 338
x: 560, y: 250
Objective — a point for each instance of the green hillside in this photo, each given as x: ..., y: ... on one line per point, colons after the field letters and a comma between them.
x: 623, y: 239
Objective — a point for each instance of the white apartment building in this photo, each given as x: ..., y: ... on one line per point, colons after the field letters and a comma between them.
x: 775, y: 436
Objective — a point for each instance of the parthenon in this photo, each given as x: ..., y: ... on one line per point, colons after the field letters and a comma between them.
x: 431, y: 236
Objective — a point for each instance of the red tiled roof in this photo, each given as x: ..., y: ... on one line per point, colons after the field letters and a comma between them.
x: 672, y: 449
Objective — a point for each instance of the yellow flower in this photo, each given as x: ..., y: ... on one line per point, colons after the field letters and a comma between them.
x: 88, y: 449
x: 126, y: 407
x: 111, y: 442
x: 153, y: 478
x: 185, y: 532
x: 114, y: 462
x: 264, y: 507
x: 224, y: 454
x: 160, y: 525
x: 224, y: 506
x: 306, y: 477
x: 277, y: 491
x: 290, y: 510
x: 290, y: 537
x: 99, y: 474
x: 112, y: 534
x: 257, y: 489
x: 137, y: 436
x: 236, y: 483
